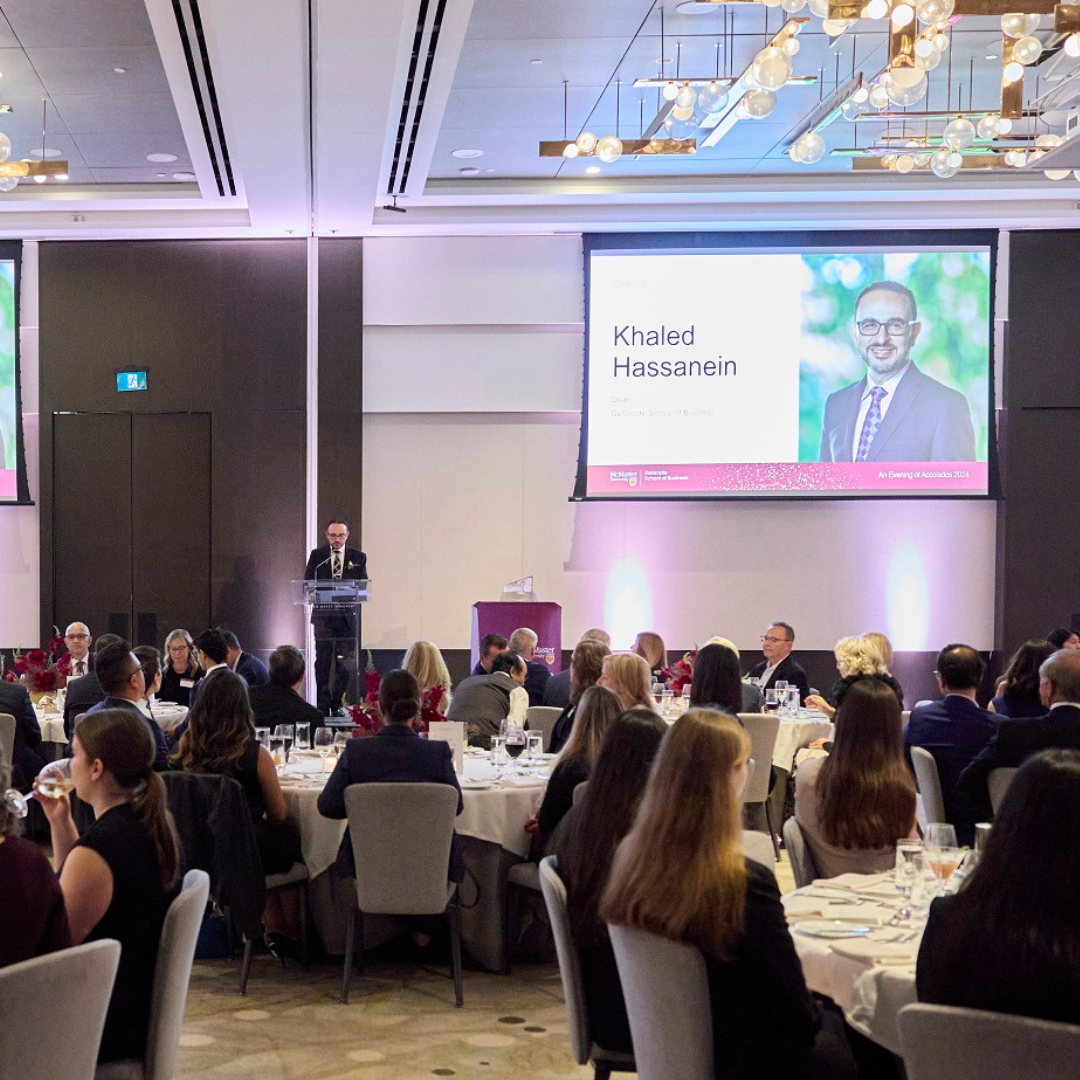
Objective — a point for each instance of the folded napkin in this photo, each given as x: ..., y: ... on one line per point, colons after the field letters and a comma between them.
x: 856, y: 882
x: 877, y: 952
x: 799, y: 907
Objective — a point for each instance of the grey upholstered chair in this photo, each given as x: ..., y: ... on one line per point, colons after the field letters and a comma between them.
x: 667, y: 1000
x: 72, y: 984
x: 801, y: 857
x: 584, y: 1050
x: 929, y: 785
x: 172, y: 973
x: 756, y: 846
x: 396, y: 878
x: 762, y: 729
x: 542, y: 718
x: 945, y: 1043
x: 7, y: 739
x: 997, y: 783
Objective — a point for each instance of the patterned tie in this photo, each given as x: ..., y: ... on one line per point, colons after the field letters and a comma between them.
x: 337, y: 564
x: 79, y: 668
x: 871, y: 423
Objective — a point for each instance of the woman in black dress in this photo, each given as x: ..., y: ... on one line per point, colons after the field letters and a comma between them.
x: 182, y: 670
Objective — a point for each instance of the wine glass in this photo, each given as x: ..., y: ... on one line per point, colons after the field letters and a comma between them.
x: 284, y: 732
x: 324, y: 742
x: 781, y: 686
x: 943, y: 856
x: 515, y: 742
x: 341, y: 740
x: 772, y: 702
x: 54, y: 781
x: 15, y: 802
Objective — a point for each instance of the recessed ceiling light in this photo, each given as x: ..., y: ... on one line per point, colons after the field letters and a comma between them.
x: 40, y: 179
x: 47, y: 152
x: 120, y: 71
x: 592, y: 170
x: 160, y: 159
x: 536, y: 63
x: 183, y: 176
x: 469, y: 171
x: 992, y: 56
x: 466, y: 153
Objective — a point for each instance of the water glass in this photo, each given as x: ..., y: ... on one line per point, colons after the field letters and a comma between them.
x: 285, y: 732
x: 277, y: 750
x: 535, y: 751
x: 303, y: 737
x: 263, y: 735
x: 908, y: 864
x: 667, y: 699
x: 498, y: 753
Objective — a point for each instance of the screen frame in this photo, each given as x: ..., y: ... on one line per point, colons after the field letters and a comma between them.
x: 825, y: 241
x: 12, y: 250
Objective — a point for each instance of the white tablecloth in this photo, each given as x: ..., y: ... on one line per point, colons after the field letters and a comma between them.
x: 52, y: 726
x: 495, y: 814
x: 871, y: 991
x: 794, y: 735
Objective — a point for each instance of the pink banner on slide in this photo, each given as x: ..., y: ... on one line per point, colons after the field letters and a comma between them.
x: 7, y: 484
x: 796, y: 477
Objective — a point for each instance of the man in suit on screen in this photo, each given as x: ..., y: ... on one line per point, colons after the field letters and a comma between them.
x: 335, y: 633
x: 895, y: 413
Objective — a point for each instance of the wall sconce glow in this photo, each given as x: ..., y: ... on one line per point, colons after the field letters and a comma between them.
x: 907, y: 600
x: 627, y: 604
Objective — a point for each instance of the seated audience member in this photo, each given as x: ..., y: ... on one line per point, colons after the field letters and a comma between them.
x: 955, y: 730
x: 586, y: 666
x: 490, y: 647
x: 150, y: 660
x: 883, y: 645
x: 651, y: 647
x: 1064, y: 637
x: 681, y: 873
x: 856, y: 658
x: 1018, y: 690
x: 1017, y: 740
x: 247, y: 665
x: 426, y: 664
x: 596, y: 710
x: 777, y: 643
x: 483, y: 702
x: 86, y: 690
x: 585, y: 846
x: 557, y: 690
x: 279, y: 702
x: 1009, y: 941
x: 395, y: 755
x: 27, y: 759
x: 717, y: 682
x: 78, y: 641
x: 220, y: 741
x: 856, y: 803
x: 629, y: 677
x: 182, y: 671
x: 34, y: 919
x: 121, y: 677
x: 212, y: 652
x: 523, y: 641
x: 120, y: 876
x: 753, y: 700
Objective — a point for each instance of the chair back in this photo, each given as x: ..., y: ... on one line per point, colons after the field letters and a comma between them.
x: 945, y: 1043
x: 53, y: 1010
x: 667, y: 1002
x: 997, y: 783
x: 929, y: 785
x: 762, y: 729
x: 801, y: 857
x: 542, y: 718
x: 401, y: 836
x: 7, y: 739
x: 172, y: 973
x: 757, y: 846
x: 551, y: 885
x: 751, y: 766
x: 579, y: 792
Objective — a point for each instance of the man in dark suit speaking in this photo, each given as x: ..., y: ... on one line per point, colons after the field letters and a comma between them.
x: 336, y: 633
x: 895, y: 413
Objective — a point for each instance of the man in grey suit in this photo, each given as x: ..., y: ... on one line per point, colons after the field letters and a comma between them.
x: 896, y: 413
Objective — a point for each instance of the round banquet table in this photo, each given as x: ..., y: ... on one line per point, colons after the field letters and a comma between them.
x: 491, y: 825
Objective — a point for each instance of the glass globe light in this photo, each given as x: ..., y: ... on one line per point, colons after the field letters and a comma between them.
x: 861, y: 95
x: 930, y: 60
x: 958, y: 133
x: 941, y: 166
x: 791, y: 6
x: 989, y: 127
x: 879, y: 97
x: 748, y: 80
x: 934, y: 11
x: 771, y: 3
x: 1006, y: 125
x: 795, y: 151
x: 1056, y: 174
x: 1076, y: 174
x: 851, y: 109
x: 571, y: 150
x: 1012, y: 72
x: 609, y: 149
x: 876, y: 9
x: 813, y: 147
x: 1072, y: 45
x: 906, y: 76
x: 902, y: 95
x: 835, y: 27
x: 1018, y: 25
x: 941, y: 42
x: 771, y: 68
x: 586, y: 142
x: 791, y: 46
x: 820, y: 8
x: 1048, y: 142
x: 8, y: 183
x: 902, y: 14
x: 759, y: 103
x: 1035, y: 155
x: 686, y: 97
x: 680, y: 129
x: 1021, y: 159
x: 924, y: 47
x: 670, y: 91
x: 905, y: 163
x: 5, y: 147
x: 1027, y: 50
x: 712, y: 98
x: 741, y: 112
x: 1010, y: 158
x: 682, y: 114
x: 922, y: 158
x: 956, y: 158
x: 888, y: 160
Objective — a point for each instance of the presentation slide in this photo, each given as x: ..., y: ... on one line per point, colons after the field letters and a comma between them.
x: 8, y: 374
x: 775, y: 372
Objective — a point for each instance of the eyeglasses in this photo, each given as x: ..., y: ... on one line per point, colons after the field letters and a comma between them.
x: 894, y: 327
x: 773, y: 640
x: 336, y: 536
x: 177, y: 649
x: 76, y: 637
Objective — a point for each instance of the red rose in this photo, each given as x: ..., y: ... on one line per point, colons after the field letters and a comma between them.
x: 11, y: 677
x: 64, y: 665
x: 21, y: 664
x: 45, y: 681
x: 37, y: 658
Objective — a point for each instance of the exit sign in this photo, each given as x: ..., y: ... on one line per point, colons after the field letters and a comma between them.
x: 130, y: 380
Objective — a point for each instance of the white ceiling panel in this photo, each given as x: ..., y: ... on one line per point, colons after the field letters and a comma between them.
x: 60, y: 23
x: 90, y: 70
x: 113, y: 150
x: 86, y: 113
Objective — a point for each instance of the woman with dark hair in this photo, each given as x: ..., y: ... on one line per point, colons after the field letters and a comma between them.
x: 182, y: 671
x: 1009, y: 940
x: 585, y: 846
x: 717, y: 681
x: 120, y: 876
x: 1064, y: 637
x: 586, y: 666
x: 856, y: 803
x: 1018, y: 690
x: 150, y: 662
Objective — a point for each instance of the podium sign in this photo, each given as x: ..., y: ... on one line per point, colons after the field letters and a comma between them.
x: 333, y: 607
x: 496, y: 617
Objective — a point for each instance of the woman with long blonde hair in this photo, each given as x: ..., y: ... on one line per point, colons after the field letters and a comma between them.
x: 629, y: 676
x: 680, y: 873
x: 426, y: 664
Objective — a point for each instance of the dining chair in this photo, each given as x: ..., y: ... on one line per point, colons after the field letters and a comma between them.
x: 172, y: 974
x: 941, y: 1042
x: 997, y: 783
x: 667, y: 1001
x: 53, y: 1009
x: 762, y: 729
x: 582, y: 1047
x: 929, y: 786
x: 7, y: 739
x: 396, y: 878
x: 803, y: 868
x: 542, y: 718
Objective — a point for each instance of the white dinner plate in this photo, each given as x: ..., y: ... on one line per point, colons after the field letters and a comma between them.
x: 830, y: 928
x: 473, y: 785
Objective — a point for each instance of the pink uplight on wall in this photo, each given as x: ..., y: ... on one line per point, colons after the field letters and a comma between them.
x: 907, y: 598
x: 628, y: 605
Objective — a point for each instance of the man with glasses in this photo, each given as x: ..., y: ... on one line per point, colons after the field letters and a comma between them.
x: 779, y: 665
x: 895, y: 413
x: 77, y: 639
x: 335, y: 634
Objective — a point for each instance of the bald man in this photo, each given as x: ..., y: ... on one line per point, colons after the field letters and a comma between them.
x: 78, y: 641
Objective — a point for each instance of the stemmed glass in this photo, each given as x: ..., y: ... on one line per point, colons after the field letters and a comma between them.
x: 781, y: 696
x: 15, y: 802
x: 324, y: 743
x: 515, y: 741
x: 943, y: 855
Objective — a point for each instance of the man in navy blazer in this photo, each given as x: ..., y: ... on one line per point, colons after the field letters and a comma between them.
x: 955, y: 731
x: 776, y: 644
x: 26, y: 761
x: 897, y: 412
x: 395, y: 754
x: 253, y: 671
x: 1017, y: 740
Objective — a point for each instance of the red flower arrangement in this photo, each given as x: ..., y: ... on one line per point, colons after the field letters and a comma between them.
x: 682, y: 674
x: 38, y: 671
x: 367, y: 719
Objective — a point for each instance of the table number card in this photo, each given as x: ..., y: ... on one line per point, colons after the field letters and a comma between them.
x: 453, y: 732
